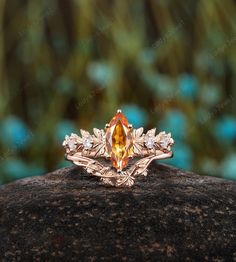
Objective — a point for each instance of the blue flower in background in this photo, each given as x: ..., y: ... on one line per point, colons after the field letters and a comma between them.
x: 64, y: 85
x: 101, y: 73
x: 188, y: 86
x: 183, y: 156
x: 35, y: 170
x: 174, y: 122
x: 135, y: 115
x: 161, y: 85
x: 210, y: 94
x: 228, y: 167
x: 64, y: 163
x: 165, y: 87
x: 16, y: 134
x: 16, y: 168
x: 225, y: 129
x: 147, y: 56
x: 64, y: 128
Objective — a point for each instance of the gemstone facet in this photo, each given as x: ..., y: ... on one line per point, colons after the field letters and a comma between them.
x: 119, y: 142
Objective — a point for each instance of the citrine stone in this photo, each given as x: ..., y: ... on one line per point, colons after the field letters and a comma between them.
x: 119, y: 142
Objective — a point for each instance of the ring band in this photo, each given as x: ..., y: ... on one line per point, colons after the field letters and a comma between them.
x: 119, y: 142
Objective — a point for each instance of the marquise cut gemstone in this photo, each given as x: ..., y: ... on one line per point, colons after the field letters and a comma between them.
x: 119, y: 142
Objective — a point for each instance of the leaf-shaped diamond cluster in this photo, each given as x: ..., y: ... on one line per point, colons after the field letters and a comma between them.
x: 150, y: 142
x: 86, y: 144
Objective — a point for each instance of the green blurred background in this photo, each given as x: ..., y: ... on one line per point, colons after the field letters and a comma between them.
x: 70, y: 64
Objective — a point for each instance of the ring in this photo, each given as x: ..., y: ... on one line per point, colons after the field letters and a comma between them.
x: 119, y: 142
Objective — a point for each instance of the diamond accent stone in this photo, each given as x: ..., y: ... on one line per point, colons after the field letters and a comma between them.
x: 70, y: 142
x: 165, y: 140
x: 72, y: 145
x: 87, y: 143
x: 149, y: 141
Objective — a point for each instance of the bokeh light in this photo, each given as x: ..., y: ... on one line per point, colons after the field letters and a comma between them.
x: 66, y: 65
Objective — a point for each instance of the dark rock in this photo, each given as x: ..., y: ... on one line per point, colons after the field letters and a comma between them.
x: 67, y: 215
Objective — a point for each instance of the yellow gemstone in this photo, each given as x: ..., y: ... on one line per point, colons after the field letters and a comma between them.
x: 119, y: 142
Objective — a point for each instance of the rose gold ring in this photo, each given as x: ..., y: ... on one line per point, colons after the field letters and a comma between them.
x: 118, y: 142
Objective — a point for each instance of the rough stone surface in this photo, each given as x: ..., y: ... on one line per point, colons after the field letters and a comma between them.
x: 68, y: 215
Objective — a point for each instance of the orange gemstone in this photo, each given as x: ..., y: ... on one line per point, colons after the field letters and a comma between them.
x: 119, y: 142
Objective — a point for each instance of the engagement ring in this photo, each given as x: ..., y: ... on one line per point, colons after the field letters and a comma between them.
x: 119, y: 142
